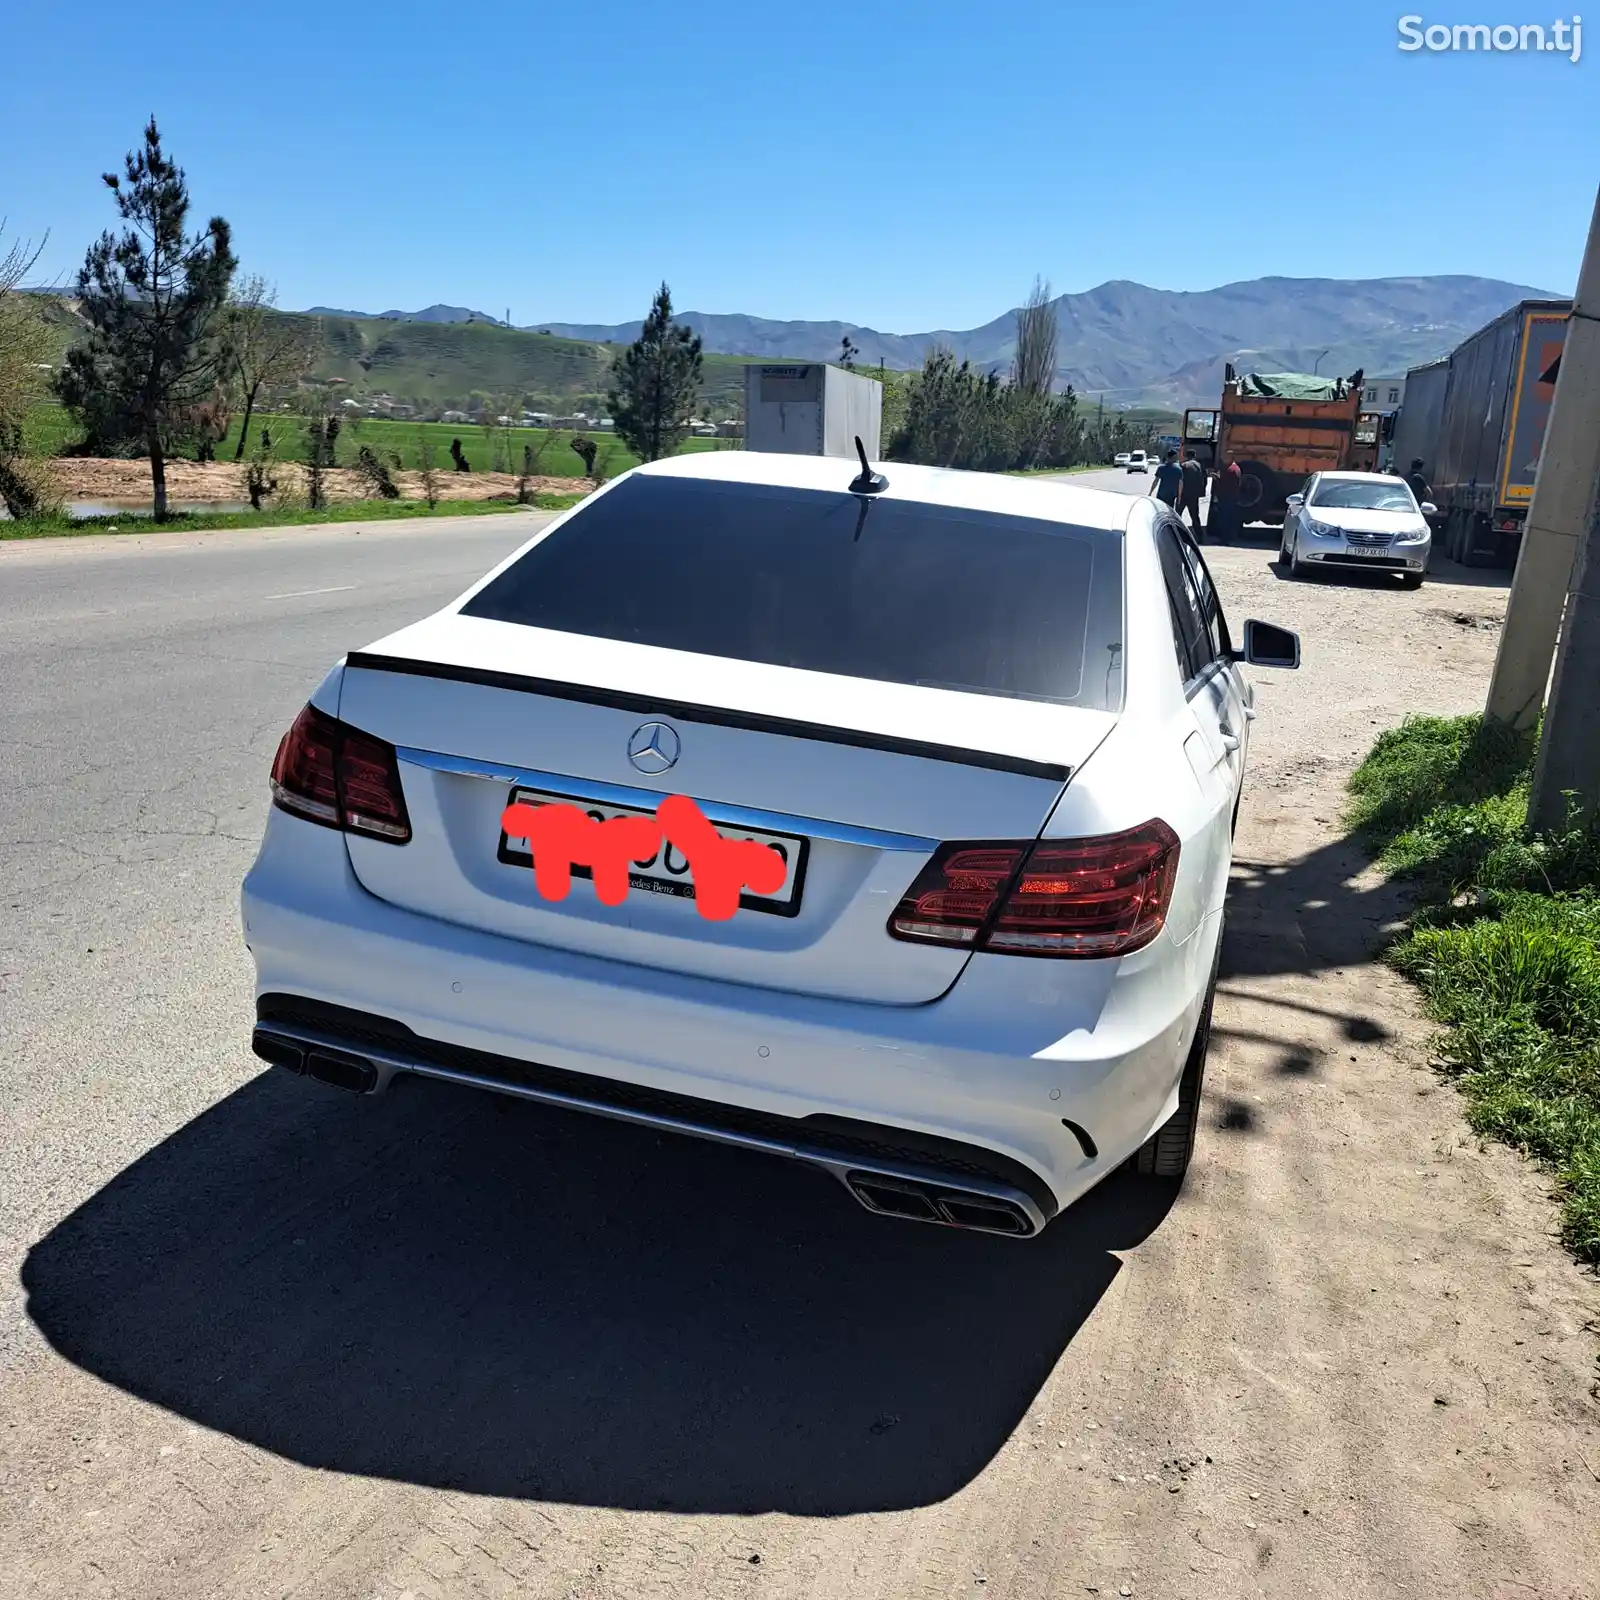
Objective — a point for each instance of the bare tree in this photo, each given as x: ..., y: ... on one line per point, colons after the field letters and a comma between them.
x: 266, y: 349
x: 24, y: 336
x: 425, y: 461
x: 24, y: 345
x: 1034, y: 370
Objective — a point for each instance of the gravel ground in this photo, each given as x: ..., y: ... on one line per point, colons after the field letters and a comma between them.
x: 278, y: 1343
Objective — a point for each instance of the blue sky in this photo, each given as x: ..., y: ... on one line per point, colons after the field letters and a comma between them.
x: 907, y: 166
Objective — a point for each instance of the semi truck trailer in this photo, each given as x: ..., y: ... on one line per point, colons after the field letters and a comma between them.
x: 1476, y: 420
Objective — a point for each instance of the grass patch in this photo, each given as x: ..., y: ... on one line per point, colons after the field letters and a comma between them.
x: 349, y: 511
x: 50, y: 430
x: 1505, y: 943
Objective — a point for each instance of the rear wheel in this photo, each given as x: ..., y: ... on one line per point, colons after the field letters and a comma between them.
x: 1166, y: 1153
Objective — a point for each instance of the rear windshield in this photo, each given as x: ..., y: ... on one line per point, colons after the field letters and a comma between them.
x: 1352, y: 494
x: 894, y: 590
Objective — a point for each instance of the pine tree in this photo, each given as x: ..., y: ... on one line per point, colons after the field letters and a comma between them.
x: 153, y: 299
x: 657, y: 384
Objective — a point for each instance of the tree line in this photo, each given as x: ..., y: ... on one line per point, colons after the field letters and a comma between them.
x: 952, y: 414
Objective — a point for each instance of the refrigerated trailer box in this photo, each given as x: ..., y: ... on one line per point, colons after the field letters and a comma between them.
x: 811, y: 410
x: 1479, y: 432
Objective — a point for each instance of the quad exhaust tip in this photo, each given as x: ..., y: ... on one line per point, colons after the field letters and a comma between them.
x: 334, y: 1067
x: 927, y: 1202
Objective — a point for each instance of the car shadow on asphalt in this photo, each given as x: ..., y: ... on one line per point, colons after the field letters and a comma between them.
x: 1440, y: 570
x: 457, y: 1290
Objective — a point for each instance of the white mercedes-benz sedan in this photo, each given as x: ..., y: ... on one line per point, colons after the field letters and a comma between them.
x: 956, y: 759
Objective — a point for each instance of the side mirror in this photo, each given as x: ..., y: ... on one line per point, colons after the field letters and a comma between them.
x: 1268, y: 645
x: 1428, y: 509
x: 1296, y: 500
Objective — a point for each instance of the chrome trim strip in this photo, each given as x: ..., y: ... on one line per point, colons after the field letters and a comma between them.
x: 390, y: 1062
x: 618, y: 794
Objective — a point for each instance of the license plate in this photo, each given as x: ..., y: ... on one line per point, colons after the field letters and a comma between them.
x: 1369, y: 549
x: 667, y: 872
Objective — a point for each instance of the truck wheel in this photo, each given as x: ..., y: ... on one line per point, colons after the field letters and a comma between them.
x: 1166, y: 1154
x: 1257, y: 488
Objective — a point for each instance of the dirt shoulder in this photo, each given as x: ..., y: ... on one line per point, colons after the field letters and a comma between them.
x: 90, y: 478
x: 445, y: 1346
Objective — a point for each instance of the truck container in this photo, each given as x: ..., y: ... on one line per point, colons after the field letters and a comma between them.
x: 811, y: 410
x: 1280, y: 427
x: 1479, y: 439
x: 1416, y: 424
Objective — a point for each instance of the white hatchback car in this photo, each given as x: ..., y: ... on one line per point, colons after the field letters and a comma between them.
x: 993, y: 730
x: 1357, y: 519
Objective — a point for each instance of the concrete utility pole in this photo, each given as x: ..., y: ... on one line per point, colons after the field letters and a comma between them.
x: 1559, y: 514
x: 1566, y: 509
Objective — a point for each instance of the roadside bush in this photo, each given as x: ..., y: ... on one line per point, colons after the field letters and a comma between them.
x: 1505, y: 944
x: 375, y: 474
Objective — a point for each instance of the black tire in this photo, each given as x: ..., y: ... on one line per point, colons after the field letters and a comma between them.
x: 1165, y: 1155
x: 1258, y: 490
x: 1411, y: 580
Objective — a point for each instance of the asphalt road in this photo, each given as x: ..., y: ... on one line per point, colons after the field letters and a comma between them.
x: 144, y: 685
x: 258, y: 1338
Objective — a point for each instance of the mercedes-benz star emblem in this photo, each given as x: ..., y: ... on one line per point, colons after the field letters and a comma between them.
x: 654, y: 747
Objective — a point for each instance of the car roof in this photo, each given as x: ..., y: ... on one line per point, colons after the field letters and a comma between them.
x: 1039, y: 499
x: 1362, y: 477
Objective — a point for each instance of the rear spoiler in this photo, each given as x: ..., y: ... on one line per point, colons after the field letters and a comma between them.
x: 587, y: 694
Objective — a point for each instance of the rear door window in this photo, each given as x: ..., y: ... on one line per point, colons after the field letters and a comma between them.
x: 1210, y: 605
x: 1188, y: 612
x: 891, y: 589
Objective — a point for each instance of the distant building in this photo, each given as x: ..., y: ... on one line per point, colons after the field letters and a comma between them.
x: 1383, y: 394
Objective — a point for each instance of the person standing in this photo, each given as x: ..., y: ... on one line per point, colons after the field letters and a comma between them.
x: 1225, y: 502
x: 1168, y: 483
x: 1419, y: 484
x: 1194, y: 491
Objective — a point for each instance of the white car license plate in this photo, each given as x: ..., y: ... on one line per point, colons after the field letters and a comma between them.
x: 667, y: 872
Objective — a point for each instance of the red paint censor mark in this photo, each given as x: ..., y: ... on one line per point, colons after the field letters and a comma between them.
x: 563, y: 837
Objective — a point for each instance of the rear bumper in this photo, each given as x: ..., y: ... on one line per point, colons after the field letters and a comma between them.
x: 996, y: 1082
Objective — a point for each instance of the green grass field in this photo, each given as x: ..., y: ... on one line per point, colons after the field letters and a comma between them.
x: 50, y: 429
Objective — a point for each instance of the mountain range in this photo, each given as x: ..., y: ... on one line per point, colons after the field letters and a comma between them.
x: 427, y: 314
x: 1133, y: 344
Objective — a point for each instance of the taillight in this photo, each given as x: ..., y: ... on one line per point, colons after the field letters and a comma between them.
x: 336, y: 775
x: 1056, y: 897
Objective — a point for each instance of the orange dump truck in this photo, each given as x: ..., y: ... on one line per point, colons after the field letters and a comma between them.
x: 1281, y: 427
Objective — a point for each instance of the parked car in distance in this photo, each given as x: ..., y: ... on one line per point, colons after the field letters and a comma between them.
x: 994, y: 731
x: 1357, y: 519
x: 1137, y: 461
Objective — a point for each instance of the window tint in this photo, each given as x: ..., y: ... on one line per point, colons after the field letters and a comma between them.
x: 891, y: 589
x: 1195, y: 652
x: 1210, y: 605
